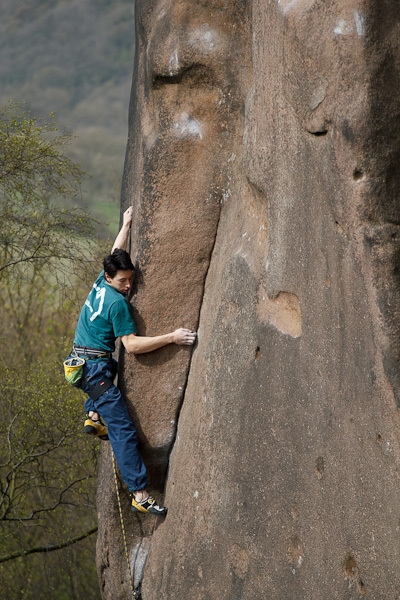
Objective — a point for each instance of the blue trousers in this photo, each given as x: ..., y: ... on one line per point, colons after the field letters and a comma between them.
x: 122, y: 433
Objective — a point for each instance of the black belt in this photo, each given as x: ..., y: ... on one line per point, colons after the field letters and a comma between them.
x: 91, y: 352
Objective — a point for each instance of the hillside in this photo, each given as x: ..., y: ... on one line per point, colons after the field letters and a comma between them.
x: 75, y: 57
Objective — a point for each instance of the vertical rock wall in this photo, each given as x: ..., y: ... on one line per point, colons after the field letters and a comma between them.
x: 262, y: 166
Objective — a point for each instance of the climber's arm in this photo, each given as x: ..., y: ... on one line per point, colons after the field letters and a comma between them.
x: 121, y: 241
x: 136, y: 344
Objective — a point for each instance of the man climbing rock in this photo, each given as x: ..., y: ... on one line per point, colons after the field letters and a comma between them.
x: 105, y: 316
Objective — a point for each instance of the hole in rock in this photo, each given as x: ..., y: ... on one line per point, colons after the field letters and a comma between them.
x: 192, y: 75
x: 319, y: 133
x: 357, y: 174
x: 320, y: 466
x: 350, y: 566
x: 282, y: 311
x: 361, y: 588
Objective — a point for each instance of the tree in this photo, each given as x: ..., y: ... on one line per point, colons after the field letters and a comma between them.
x: 35, y: 177
x: 47, y: 466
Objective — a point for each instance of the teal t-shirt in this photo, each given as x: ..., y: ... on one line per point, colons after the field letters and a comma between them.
x: 105, y: 316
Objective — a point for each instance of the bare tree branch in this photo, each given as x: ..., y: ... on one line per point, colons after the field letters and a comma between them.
x: 37, y: 549
x: 48, y: 508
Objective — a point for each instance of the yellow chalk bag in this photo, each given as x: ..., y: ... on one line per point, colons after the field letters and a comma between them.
x: 73, y: 369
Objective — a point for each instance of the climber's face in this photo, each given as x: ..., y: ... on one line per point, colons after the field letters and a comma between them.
x: 122, y: 281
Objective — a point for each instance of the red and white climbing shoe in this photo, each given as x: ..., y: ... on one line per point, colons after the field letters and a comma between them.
x: 96, y: 428
x: 149, y: 506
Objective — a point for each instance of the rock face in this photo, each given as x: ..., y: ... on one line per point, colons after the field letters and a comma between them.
x: 262, y: 165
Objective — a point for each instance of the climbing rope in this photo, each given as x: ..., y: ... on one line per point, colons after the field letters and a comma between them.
x: 135, y: 595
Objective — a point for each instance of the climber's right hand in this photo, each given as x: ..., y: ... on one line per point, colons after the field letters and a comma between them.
x: 184, y: 337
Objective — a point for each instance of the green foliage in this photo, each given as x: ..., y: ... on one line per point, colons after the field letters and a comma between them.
x: 47, y: 464
x: 47, y: 475
x: 32, y: 163
x: 35, y: 173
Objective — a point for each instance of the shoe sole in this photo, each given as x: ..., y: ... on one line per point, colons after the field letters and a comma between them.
x: 149, y: 511
x: 93, y: 431
x: 158, y: 513
x: 162, y: 513
x: 90, y: 430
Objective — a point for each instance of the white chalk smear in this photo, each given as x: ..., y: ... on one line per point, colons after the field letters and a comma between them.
x: 287, y: 5
x: 173, y: 64
x: 203, y: 38
x: 359, y: 19
x: 187, y: 127
x: 343, y: 28
x: 346, y: 27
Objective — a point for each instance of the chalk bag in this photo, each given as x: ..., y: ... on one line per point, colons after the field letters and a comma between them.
x: 73, y: 369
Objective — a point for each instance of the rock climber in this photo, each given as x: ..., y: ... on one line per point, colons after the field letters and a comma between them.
x: 105, y: 316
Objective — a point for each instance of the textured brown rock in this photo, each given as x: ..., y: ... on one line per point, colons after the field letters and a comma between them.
x: 262, y: 166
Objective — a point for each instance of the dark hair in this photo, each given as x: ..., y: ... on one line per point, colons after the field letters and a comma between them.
x: 119, y: 260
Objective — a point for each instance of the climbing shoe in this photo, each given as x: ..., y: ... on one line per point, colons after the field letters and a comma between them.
x: 149, y: 506
x: 96, y: 428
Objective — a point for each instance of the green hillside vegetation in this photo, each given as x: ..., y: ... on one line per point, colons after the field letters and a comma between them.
x: 75, y: 57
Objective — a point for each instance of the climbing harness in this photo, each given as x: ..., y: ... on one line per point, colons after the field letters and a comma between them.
x: 91, y: 353
x: 135, y: 593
